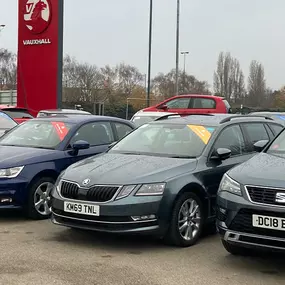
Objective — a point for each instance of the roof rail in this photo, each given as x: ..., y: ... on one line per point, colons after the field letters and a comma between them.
x: 244, y: 116
x: 167, y: 116
x: 184, y: 115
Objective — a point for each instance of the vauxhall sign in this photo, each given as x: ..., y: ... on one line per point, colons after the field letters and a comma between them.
x: 37, y: 18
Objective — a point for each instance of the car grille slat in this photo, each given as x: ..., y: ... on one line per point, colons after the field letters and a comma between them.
x: 95, y: 193
x: 263, y: 195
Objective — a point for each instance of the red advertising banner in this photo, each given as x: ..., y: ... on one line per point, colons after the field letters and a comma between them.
x: 40, y: 48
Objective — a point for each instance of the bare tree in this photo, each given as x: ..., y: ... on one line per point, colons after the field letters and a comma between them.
x: 164, y: 84
x: 229, y: 78
x: 82, y: 81
x: 8, y: 69
x: 256, y: 84
x: 129, y: 77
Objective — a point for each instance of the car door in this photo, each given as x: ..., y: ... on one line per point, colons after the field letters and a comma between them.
x: 121, y: 130
x: 179, y: 105
x: 231, y: 137
x: 203, y: 105
x: 98, y: 134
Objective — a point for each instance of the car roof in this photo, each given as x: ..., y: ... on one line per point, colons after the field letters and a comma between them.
x: 156, y: 114
x: 80, y: 119
x: 67, y: 111
x: 211, y: 119
x: 267, y: 113
x: 199, y: 96
x: 10, y: 107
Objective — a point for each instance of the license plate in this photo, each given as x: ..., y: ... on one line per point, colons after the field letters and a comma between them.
x: 81, y: 208
x: 266, y: 222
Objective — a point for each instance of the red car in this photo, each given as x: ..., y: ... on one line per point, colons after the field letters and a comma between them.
x: 18, y: 114
x: 192, y: 104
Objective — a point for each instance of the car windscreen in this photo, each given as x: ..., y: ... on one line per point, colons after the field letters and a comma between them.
x: 164, y: 139
x: 278, y: 145
x: 6, y: 122
x: 38, y: 134
x: 15, y: 114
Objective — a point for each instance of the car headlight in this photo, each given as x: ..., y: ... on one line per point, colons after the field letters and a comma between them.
x: 151, y: 189
x: 125, y: 191
x: 10, y: 172
x: 229, y: 185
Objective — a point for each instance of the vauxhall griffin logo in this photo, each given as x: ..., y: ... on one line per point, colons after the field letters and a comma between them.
x: 37, y: 15
x: 85, y: 182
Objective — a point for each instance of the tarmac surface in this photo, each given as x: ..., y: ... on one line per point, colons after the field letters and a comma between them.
x: 40, y: 253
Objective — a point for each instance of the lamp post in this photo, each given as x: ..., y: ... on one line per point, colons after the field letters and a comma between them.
x: 149, y: 54
x: 184, y: 53
x: 177, y: 48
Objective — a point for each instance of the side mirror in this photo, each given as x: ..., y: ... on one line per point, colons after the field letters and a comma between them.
x: 111, y: 145
x: 162, y: 107
x: 260, y: 145
x: 223, y: 153
x: 78, y: 145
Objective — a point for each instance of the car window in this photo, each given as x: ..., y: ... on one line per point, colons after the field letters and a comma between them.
x: 18, y: 114
x: 256, y: 132
x: 95, y: 133
x: 6, y: 122
x: 179, y: 103
x: 37, y: 134
x: 203, y: 103
x: 276, y: 128
x: 228, y: 106
x: 122, y: 130
x: 231, y: 138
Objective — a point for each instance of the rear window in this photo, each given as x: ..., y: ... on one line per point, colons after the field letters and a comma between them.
x: 6, y: 122
x: 204, y: 103
x: 228, y: 106
x: 15, y: 114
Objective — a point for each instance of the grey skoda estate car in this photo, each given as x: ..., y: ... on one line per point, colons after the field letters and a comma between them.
x: 251, y: 201
x: 162, y: 178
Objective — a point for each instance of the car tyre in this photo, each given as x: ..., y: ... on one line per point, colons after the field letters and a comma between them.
x: 39, y: 199
x: 187, y: 221
x: 234, y: 249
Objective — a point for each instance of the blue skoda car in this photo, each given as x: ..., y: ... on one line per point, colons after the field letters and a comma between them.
x: 33, y: 154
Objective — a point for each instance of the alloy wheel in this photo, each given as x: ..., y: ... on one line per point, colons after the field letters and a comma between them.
x: 189, y: 219
x: 42, y: 199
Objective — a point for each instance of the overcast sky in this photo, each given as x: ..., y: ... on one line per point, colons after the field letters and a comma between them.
x: 113, y: 31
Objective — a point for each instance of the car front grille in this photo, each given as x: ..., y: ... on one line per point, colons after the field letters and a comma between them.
x: 243, y: 223
x: 69, y: 190
x: 263, y: 195
x: 96, y: 193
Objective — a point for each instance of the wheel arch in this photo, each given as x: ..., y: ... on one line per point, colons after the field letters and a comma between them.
x: 43, y: 173
x: 197, y: 189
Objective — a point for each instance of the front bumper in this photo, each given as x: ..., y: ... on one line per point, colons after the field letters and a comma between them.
x: 234, y: 223
x: 13, y: 193
x: 115, y: 216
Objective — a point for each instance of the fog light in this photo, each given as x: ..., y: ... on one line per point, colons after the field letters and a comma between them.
x: 6, y: 200
x: 143, y: 218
